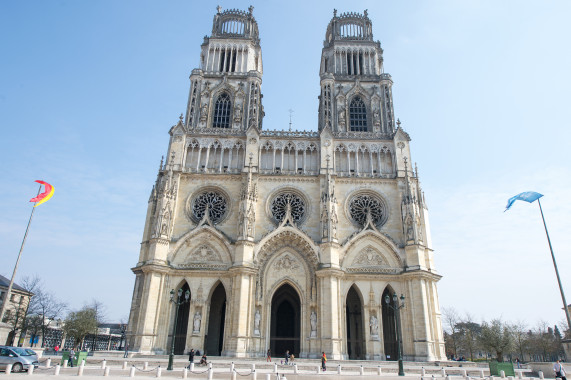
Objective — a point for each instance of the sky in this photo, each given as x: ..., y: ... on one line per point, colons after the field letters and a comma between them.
x: 89, y: 90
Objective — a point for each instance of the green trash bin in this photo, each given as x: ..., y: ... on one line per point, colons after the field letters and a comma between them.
x: 496, y: 367
x: 77, y: 358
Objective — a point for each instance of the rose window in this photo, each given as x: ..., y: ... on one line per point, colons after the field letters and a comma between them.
x: 214, y: 201
x: 279, y: 204
x: 363, y: 204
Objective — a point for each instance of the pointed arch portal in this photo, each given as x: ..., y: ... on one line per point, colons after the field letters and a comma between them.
x: 389, y: 327
x: 216, y: 317
x: 285, y: 327
x: 354, y: 319
x: 181, y: 324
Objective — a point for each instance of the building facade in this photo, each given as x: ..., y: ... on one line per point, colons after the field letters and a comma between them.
x: 287, y: 240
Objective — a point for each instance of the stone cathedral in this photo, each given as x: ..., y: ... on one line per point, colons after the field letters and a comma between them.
x: 287, y: 240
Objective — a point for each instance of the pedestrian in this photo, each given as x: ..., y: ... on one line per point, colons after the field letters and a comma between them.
x: 559, y: 370
x: 286, y: 359
x: 518, y: 363
x: 126, y: 354
x: 191, y: 357
x: 56, y: 348
x: 269, y: 356
x: 71, y: 356
x: 323, y: 360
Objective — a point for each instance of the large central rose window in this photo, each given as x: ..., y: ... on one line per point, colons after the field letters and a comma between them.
x: 362, y: 204
x: 279, y: 203
x: 214, y: 201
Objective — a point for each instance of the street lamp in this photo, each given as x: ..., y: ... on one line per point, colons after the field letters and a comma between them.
x: 396, y: 307
x: 179, y: 301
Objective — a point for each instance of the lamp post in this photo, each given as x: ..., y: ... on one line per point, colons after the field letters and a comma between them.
x: 396, y: 307
x: 179, y: 301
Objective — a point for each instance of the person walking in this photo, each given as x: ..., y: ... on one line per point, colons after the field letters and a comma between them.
x: 323, y: 360
x: 71, y: 356
x: 269, y: 356
x: 559, y: 370
x: 191, y: 357
x: 56, y: 348
x: 286, y: 359
x: 126, y: 355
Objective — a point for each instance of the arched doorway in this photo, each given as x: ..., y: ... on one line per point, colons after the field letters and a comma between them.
x: 216, y: 317
x: 285, y: 328
x: 354, y: 319
x: 181, y: 324
x: 389, y: 327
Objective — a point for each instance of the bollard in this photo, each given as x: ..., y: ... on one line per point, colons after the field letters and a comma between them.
x: 191, y: 367
x: 268, y: 376
x: 145, y: 366
x: 124, y: 365
x: 234, y: 375
x: 106, y: 371
x: 422, y: 372
x: 184, y: 373
x: 502, y: 374
x: 443, y: 372
x: 464, y: 374
x: 481, y: 374
x: 361, y: 371
x: 318, y: 369
x: 56, y: 372
x: 283, y: 377
x: 276, y: 367
x: 31, y: 370
x: 540, y: 373
x: 132, y: 372
x: 103, y: 364
x: 210, y: 365
x: 294, y: 368
x: 80, y: 370
x: 339, y: 369
x: 519, y: 375
x: 8, y: 369
x: 159, y: 371
x: 231, y: 367
x: 379, y: 370
x: 447, y: 377
x: 253, y: 366
x: 65, y: 363
x: 49, y: 362
x: 254, y: 376
x: 210, y: 373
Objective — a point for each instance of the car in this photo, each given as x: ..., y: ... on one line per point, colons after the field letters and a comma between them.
x: 20, y: 358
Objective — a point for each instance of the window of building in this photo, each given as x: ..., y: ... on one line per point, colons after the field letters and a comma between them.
x: 358, y: 115
x: 222, y: 111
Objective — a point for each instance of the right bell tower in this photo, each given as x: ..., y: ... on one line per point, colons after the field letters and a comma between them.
x: 356, y: 95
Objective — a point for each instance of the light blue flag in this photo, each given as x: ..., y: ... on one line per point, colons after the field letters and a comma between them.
x: 528, y: 196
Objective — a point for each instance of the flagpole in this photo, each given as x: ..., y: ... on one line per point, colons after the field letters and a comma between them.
x: 556, y: 270
x: 17, y: 262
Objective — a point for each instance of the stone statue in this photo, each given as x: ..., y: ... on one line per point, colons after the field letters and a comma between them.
x: 376, y: 118
x: 237, y: 114
x: 197, y: 320
x: 313, y: 323
x: 342, y: 117
x: 374, y: 326
x: 203, y: 112
x: 257, y: 318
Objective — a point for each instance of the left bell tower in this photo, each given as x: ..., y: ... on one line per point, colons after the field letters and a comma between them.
x: 225, y: 90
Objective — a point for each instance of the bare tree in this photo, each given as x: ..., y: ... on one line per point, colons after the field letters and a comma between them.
x: 17, y: 315
x: 451, y: 319
x: 496, y: 337
x: 468, y: 332
x: 520, y: 338
x: 48, y: 309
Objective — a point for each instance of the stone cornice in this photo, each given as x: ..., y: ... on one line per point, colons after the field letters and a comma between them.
x: 423, y: 274
x: 329, y: 272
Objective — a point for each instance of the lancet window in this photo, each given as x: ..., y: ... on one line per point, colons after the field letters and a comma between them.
x: 289, y: 158
x: 214, y: 157
x: 363, y: 161
x: 222, y: 111
x: 358, y: 115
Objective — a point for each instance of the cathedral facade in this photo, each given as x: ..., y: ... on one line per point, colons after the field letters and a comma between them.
x: 287, y: 240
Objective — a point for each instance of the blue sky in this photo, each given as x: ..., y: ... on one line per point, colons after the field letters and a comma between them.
x: 89, y: 90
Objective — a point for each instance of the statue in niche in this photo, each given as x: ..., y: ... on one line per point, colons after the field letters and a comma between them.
x: 376, y: 118
x: 237, y: 114
x: 374, y: 324
x: 342, y: 117
x: 203, y: 112
x: 196, y: 323
x: 313, y: 323
x: 257, y: 319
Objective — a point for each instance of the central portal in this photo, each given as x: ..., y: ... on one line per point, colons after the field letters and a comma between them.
x: 286, y: 320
